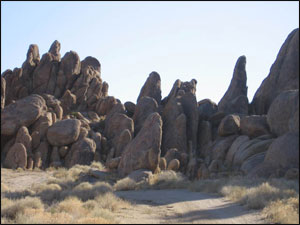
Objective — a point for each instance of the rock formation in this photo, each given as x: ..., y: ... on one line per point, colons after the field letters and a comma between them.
x: 57, y: 112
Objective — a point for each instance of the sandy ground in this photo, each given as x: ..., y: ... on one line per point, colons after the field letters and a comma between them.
x: 183, y: 206
x: 18, y: 181
x: 156, y: 206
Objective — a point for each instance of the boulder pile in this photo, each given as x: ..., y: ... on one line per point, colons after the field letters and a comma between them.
x: 57, y: 112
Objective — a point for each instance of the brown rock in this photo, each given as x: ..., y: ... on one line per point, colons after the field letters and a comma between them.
x: 284, y: 75
x: 45, y: 155
x: 117, y: 124
x: 54, y: 50
x: 54, y: 155
x: 252, y: 162
x: 151, y: 88
x: 143, y: 152
x: 113, y: 163
x: 24, y: 138
x: 121, y: 142
x: 130, y: 108
x: 171, y: 154
x: 63, y: 151
x: 29, y: 163
x: 282, y: 110
x: 64, y: 132
x: 38, y: 160
x: 284, y: 151
x: 68, y: 101
x: 233, y: 149
x: 23, y: 112
x: 221, y: 146
x: 162, y: 163
x: 16, y: 157
x: 145, y: 106
x: 105, y: 105
x: 69, y: 70
x: 82, y: 152
x: 35, y: 139
x: 206, y: 108
x: 254, y: 125
x: 174, y: 165
x: 229, y: 125
x: 235, y: 99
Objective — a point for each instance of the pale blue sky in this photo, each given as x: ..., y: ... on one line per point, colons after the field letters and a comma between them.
x: 179, y: 40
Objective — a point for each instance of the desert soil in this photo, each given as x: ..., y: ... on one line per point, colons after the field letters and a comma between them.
x: 157, y: 206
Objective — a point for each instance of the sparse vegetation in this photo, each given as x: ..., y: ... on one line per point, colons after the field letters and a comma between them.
x: 72, y: 196
x: 69, y: 197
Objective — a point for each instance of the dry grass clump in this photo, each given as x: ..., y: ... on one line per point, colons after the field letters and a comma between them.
x: 167, y: 179
x: 284, y: 211
x: 10, y: 209
x: 72, y: 196
x: 258, y: 194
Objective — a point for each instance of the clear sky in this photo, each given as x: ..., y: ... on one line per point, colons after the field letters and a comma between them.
x: 179, y: 40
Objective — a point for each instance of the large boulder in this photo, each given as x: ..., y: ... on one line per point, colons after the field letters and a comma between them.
x: 24, y: 138
x: 151, y: 88
x: 254, y: 125
x: 82, y: 152
x: 229, y: 125
x: 64, y: 132
x: 282, y: 110
x: 23, y: 112
x: 143, y: 152
x: 235, y: 99
x: 16, y: 157
x: 284, y: 75
x: 69, y: 70
x: 284, y: 151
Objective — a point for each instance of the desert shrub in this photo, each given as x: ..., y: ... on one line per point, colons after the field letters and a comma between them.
x: 10, y: 209
x: 284, y: 211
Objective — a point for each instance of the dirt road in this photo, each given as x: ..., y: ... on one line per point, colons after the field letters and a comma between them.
x: 156, y: 206
x: 183, y: 206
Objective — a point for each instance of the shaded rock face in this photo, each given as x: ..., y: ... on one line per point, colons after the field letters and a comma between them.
x: 64, y: 132
x: 23, y: 112
x: 145, y: 106
x: 82, y: 152
x: 283, y: 76
x: 284, y: 152
x: 16, y: 157
x: 235, y: 99
x: 229, y: 125
x: 143, y: 152
x: 206, y: 108
x: 254, y: 125
x: 281, y: 112
x: 151, y: 88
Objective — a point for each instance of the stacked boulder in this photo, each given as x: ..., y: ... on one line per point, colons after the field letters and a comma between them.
x: 57, y: 112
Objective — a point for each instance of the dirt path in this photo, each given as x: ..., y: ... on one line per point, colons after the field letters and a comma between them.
x: 156, y: 206
x: 182, y: 206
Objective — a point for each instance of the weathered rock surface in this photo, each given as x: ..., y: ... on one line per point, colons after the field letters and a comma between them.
x: 24, y: 138
x: 143, y: 152
x: 16, y: 157
x: 254, y: 125
x: 284, y: 152
x: 82, y: 152
x: 282, y: 110
x: 64, y: 132
x: 145, y: 106
x: 235, y: 99
x: 229, y: 125
x: 206, y: 108
x: 151, y: 88
x: 284, y: 75
x: 23, y: 112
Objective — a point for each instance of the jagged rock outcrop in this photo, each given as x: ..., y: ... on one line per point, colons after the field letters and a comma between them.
x: 235, y: 99
x: 145, y: 106
x: 143, y: 152
x: 151, y: 88
x: 283, y: 76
